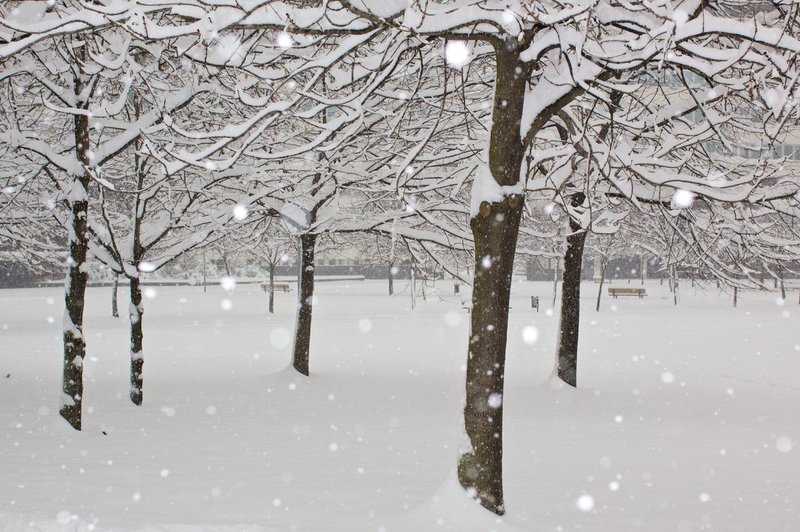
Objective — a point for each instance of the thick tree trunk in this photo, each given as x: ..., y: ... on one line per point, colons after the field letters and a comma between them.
x: 302, y: 335
x: 114, y: 306
x: 136, y: 314
x: 391, y: 278
x: 272, y: 288
x: 495, y: 229
x: 567, y: 350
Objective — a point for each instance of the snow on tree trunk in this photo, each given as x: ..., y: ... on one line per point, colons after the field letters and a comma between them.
x: 114, y: 306
x: 302, y: 334
x: 74, y: 296
x: 136, y: 313
x: 567, y: 350
x: 495, y: 231
x: 272, y: 288
x: 75, y: 290
x: 496, y: 214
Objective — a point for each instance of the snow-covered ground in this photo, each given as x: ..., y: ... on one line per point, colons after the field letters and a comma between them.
x: 687, y: 418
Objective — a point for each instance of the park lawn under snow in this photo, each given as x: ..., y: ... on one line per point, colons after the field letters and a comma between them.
x: 687, y: 416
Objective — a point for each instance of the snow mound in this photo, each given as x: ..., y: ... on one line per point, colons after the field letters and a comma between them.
x: 450, y: 508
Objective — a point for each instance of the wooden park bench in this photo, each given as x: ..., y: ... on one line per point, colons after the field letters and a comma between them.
x: 279, y: 287
x: 619, y: 291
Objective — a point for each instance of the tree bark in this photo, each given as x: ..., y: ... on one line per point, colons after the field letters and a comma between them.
x: 480, y: 471
x: 74, y: 296
x: 272, y: 288
x: 644, y: 270
x: 675, y: 285
x: 413, y: 285
x: 136, y: 314
x: 114, y: 306
x: 602, y: 281
x: 302, y: 336
x: 495, y: 229
x: 75, y: 289
x: 205, y: 276
x: 567, y: 350
x: 391, y: 278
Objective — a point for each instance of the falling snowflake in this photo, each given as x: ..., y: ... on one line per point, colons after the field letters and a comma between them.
x: 240, y: 212
x: 784, y: 444
x: 495, y: 400
x: 530, y: 335
x: 456, y: 53
x: 284, y: 40
x: 683, y: 199
x: 585, y: 503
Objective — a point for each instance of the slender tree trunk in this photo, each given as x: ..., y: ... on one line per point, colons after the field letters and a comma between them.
x: 205, y: 276
x: 413, y: 285
x: 302, y: 336
x: 114, y: 287
x: 783, y: 286
x: 75, y: 289
x: 74, y: 296
x: 391, y: 278
x: 224, y: 256
x: 495, y: 228
x: 567, y: 350
x: 675, y: 285
x: 136, y: 314
x: 600, y: 289
x: 735, y: 296
x: 272, y: 288
x: 555, y: 283
x: 644, y: 270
